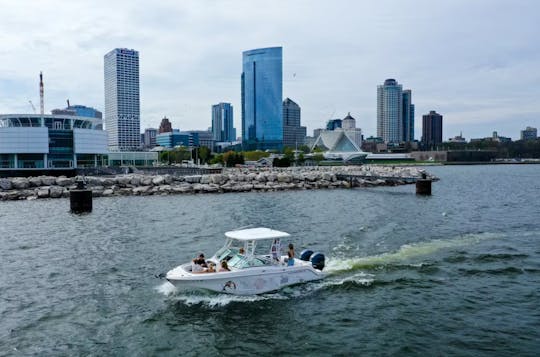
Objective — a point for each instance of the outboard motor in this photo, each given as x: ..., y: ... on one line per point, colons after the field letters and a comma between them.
x: 317, y: 261
x: 306, y: 254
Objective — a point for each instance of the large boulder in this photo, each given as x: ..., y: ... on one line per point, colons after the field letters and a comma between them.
x: 43, y: 192
x: 168, y: 179
x: 64, y: 181
x: 124, y: 180
x: 135, y: 180
x: 5, y: 184
x: 158, y: 180
x: 205, y: 179
x: 35, y: 181
x: 141, y: 190
x: 20, y: 183
x: 48, y: 180
x: 283, y: 177
x: 193, y: 179
x: 108, y: 181
x: 146, y: 180
x: 56, y: 191
x: 218, y: 179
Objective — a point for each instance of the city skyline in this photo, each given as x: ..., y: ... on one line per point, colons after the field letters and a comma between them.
x: 480, y: 75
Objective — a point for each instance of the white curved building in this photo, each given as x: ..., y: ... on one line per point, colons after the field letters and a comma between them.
x: 36, y: 141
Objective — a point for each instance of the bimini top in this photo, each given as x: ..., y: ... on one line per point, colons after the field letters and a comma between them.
x: 256, y: 234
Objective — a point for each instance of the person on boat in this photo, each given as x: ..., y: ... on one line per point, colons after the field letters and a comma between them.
x: 275, y: 250
x: 211, y: 268
x: 198, y: 264
x: 224, y: 266
x: 242, y: 251
x: 290, y: 254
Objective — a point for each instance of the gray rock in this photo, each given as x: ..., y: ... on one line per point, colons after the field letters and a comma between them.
x: 20, y: 183
x: 141, y: 189
x: 108, y: 182
x: 108, y: 192
x: 146, y: 180
x: 158, y: 180
x: 56, y: 191
x: 205, y: 179
x: 283, y: 177
x: 193, y: 179
x: 5, y: 184
x: 135, y: 180
x: 168, y: 179
x: 43, y: 192
x: 64, y: 181
x: 123, y: 181
x: 48, y: 180
x: 35, y: 181
x: 218, y: 179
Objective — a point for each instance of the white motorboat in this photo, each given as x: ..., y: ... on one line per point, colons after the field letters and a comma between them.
x: 253, y: 267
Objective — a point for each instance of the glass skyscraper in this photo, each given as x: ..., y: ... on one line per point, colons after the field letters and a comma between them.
x: 395, y: 112
x: 222, y: 122
x: 122, y: 105
x: 294, y: 134
x: 262, y: 88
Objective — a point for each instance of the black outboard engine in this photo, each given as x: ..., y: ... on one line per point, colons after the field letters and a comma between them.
x: 317, y: 261
x: 306, y: 254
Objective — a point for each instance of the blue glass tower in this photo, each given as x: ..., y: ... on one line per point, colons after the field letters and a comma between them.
x: 262, y: 87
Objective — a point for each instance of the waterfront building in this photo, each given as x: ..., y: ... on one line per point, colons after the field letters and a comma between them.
x: 122, y: 102
x: 529, y: 133
x: 261, y: 94
x: 206, y: 138
x: 408, y: 116
x: 317, y: 132
x: 177, y: 138
x: 79, y: 110
x: 165, y: 126
x: 348, y: 122
x: 338, y: 144
x: 395, y: 112
x: 222, y: 122
x: 294, y: 134
x: 35, y: 141
x: 432, y: 129
x: 149, y: 136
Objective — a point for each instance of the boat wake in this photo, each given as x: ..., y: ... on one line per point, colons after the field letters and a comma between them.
x: 406, y: 253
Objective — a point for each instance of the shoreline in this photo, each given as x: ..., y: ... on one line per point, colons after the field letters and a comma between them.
x: 230, y: 180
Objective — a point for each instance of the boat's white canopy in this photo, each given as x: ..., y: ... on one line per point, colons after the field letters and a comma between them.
x: 258, y: 233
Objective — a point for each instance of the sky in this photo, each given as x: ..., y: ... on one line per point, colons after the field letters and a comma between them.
x: 476, y: 62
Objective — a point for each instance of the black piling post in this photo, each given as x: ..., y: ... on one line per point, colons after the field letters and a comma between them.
x: 80, y: 199
x: 423, y: 186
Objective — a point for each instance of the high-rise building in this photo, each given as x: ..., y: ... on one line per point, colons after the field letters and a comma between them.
x: 262, y: 88
x: 395, y: 112
x: 150, y: 137
x: 165, y: 126
x: 408, y: 116
x: 293, y: 133
x: 333, y: 124
x: 431, y: 129
x: 529, y: 133
x: 222, y: 122
x: 122, y: 102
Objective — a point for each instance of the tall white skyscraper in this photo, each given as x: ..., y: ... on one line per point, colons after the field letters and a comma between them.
x: 395, y: 113
x: 122, y: 104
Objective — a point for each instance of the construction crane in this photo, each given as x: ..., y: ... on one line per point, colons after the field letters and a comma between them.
x: 32, y: 105
x: 41, y: 104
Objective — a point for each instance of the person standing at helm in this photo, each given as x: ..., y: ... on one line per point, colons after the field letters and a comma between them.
x: 275, y: 250
x: 290, y: 254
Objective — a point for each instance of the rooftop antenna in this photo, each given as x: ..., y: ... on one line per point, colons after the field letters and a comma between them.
x: 41, y: 104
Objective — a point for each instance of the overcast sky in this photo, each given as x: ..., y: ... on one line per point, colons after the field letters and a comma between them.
x: 477, y: 62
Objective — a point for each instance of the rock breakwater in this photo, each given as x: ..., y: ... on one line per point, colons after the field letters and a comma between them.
x: 230, y: 180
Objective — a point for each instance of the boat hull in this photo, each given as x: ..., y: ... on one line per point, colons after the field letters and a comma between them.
x: 252, y: 282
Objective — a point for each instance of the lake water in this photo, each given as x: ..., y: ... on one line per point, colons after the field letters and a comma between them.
x: 454, y: 273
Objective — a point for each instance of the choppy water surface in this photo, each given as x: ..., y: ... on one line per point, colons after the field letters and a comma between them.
x: 454, y: 273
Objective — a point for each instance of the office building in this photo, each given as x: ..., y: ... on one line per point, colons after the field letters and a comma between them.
x: 395, y: 113
x: 165, y: 126
x: 431, y: 129
x: 176, y: 138
x: 122, y: 102
x: 222, y: 122
x: 333, y: 124
x: 261, y: 92
x: 529, y: 134
x: 294, y: 134
x: 206, y: 138
x: 79, y: 110
x: 408, y: 116
x: 149, y: 136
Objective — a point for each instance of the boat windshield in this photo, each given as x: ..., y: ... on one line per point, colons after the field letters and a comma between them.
x: 241, y: 261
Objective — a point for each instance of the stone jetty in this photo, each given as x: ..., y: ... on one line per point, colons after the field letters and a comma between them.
x: 230, y: 180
